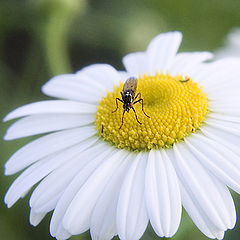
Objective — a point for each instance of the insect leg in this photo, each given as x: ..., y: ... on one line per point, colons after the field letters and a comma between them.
x: 122, y: 118
x: 117, y: 99
x: 142, y: 106
x: 136, y: 115
x: 138, y: 95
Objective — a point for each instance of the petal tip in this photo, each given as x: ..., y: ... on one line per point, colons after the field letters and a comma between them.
x: 7, y: 170
x: 9, y: 135
x: 44, y: 88
x: 8, y: 203
x: 5, y: 137
x: 7, y: 117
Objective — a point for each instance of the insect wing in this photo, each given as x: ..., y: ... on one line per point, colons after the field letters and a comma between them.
x: 130, y: 84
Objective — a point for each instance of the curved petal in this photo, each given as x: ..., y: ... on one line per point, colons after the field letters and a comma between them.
x: 56, y: 227
x: 135, y: 63
x: 161, y: 51
x: 230, y: 109
x: 132, y: 216
x: 49, y: 191
x: 105, y: 74
x: 162, y: 194
x: 199, y: 217
x: 51, y: 106
x: 231, y: 127
x: 224, y: 117
x: 45, y: 146
x: 77, y: 217
x: 220, y: 80
x: 74, y: 87
x: 229, y: 101
x: 36, y: 218
x: 42, y: 168
x: 213, y: 203
x: 221, y: 161
x: 124, y: 75
x: 220, y: 71
x: 103, y: 219
x: 228, y: 139
x: 43, y: 123
x: 87, y: 85
x: 185, y: 63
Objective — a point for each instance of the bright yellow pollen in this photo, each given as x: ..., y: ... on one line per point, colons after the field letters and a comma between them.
x: 176, y: 109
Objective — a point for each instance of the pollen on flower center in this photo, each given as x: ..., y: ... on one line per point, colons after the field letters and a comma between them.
x: 176, y: 108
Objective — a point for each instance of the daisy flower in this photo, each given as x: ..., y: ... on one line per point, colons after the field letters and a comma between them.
x: 97, y: 170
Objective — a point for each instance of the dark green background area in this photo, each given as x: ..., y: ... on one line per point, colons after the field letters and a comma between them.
x: 42, y: 38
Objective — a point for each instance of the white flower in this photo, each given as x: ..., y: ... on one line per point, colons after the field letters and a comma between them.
x: 231, y: 46
x: 113, y: 181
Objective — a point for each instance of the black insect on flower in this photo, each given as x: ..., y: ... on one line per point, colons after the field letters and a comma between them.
x: 129, y: 98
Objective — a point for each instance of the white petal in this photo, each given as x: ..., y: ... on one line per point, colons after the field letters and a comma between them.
x: 73, y: 187
x: 221, y: 79
x: 210, y: 197
x: 229, y: 110
x: 135, y: 63
x: 220, y: 71
x: 39, y: 170
x: 233, y: 128
x: 74, y: 87
x: 184, y: 63
x: 103, y: 220
x: 162, y: 194
x: 102, y: 73
x: 132, y: 216
x: 44, y: 123
x: 226, y: 124
x: 63, y: 234
x: 124, y: 75
x: 45, y: 146
x: 224, y: 117
x: 228, y: 80
x: 51, y: 106
x: 225, y: 95
x: 77, y: 217
x: 230, y: 140
x: 49, y: 188
x: 36, y: 218
x: 161, y: 51
x: 47, y: 206
x: 87, y: 85
x: 221, y: 161
x: 199, y: 217
x: 225, y: 101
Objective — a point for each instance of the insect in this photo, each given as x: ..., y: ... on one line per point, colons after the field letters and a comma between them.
x: 184, y: 80
x: 129, y: 98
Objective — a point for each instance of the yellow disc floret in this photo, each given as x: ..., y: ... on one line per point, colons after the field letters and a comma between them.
x: 176, y: 106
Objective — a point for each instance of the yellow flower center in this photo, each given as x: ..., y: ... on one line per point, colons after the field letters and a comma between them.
x: 176, y: 106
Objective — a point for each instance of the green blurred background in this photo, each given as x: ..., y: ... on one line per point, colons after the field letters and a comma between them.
x: 42, y: 38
